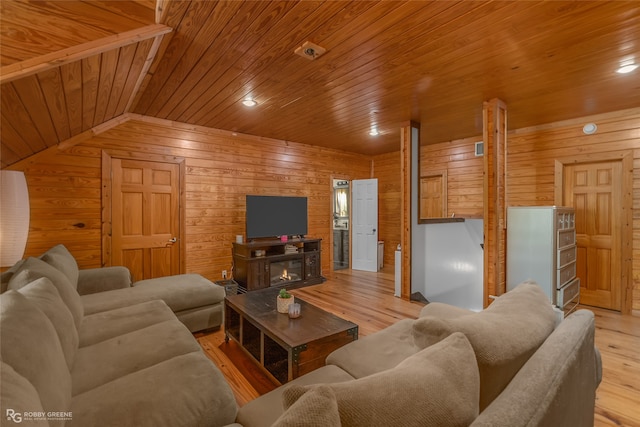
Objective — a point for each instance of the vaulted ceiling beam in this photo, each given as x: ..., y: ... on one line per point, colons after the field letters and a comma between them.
x: 29, y: 67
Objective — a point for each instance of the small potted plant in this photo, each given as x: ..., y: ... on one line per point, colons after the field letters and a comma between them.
x: 285, y: 299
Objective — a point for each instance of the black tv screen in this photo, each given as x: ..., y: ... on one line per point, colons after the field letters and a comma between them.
x: 272, y: 216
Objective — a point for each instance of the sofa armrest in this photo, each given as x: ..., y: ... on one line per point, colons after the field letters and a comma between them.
x: 557, y: 385
x: 598, y: 365
x: 93, y: 280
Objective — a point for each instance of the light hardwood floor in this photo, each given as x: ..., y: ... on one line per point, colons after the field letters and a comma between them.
x: 367, y: 300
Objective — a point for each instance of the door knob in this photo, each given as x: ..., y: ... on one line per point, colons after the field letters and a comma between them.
x: 173, y: 240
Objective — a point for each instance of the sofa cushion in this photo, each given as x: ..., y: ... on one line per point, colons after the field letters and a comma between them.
x: 438, y: 386
x: 503, y: 336
x: 60, y: 258
x: 180, y: 292
x: 194, y: 291
x: 18, y: 396
x: 187, y: 390
x: 45, y: 296
x: 130, y: 352
x: 30, y: 345
x: 113, y: 323
x: 201, y: 318
x: 377, y: 352
x: 34, y: 268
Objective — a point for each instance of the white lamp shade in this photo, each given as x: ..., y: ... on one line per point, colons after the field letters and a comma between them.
x: 14, y: 216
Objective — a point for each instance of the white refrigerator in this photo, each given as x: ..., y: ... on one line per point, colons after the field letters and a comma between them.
x: 541, y: 246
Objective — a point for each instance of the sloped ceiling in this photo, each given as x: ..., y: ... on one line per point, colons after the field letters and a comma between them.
x: 70, y: 66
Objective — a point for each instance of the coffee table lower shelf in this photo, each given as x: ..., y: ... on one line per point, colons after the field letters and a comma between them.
x: 279, y: 359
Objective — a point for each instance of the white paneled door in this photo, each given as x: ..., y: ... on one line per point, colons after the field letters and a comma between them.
x: 365, y: 224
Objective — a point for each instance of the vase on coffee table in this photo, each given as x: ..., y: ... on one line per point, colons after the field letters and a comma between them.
x: 285, y: 299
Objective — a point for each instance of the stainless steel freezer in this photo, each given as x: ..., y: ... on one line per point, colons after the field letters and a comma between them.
x: 541, y: 246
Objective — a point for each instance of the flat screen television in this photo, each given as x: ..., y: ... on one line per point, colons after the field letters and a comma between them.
x: 272, y: 216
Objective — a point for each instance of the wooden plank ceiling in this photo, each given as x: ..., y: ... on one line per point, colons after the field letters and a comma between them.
x: 70, y: 66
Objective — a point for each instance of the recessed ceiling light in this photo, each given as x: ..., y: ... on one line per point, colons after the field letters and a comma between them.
x: 589, y: 128
x: 627, y: 68
x: 627, y: 65
x: 249, y: 102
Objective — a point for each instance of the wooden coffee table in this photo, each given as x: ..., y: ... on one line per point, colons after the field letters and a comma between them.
x: 284, y: 348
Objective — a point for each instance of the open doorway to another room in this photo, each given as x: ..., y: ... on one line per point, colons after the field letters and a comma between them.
x: 340, y: 223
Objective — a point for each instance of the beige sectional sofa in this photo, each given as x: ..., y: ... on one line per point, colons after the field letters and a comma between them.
x: 196, y: 301
x: 125, y: 360
x: 513, y: 364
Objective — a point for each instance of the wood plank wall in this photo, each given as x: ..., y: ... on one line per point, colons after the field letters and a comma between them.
x: 464, y: 174
x: 65, y: 188
x: 220, y: 170
x: 531, y: 154
x: 386, y: 167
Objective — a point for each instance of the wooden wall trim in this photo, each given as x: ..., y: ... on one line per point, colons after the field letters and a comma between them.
x: 105, y: 208
x: 218, y: 132
x: 405, y: 217
x: 143, y: 72
x: 96, y: 130
x: 495, y: 162
x: 66, y: 144
x: 406, y: 150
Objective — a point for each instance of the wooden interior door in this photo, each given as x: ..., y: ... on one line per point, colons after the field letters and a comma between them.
x: 594, y: 190
x: 145, y: 217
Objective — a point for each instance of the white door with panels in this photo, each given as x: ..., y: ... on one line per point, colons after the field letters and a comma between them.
x: 365, y: 224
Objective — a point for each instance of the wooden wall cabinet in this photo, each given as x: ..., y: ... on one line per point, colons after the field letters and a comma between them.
x: 262, y: 264
x: 433, y: 196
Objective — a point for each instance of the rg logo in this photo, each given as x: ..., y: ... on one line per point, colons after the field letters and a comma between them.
x: 14, y: 416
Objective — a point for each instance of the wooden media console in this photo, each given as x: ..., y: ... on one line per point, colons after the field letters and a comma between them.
x: 273, y: 263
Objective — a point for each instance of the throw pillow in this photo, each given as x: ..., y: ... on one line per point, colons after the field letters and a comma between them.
x: 7, y: 275
x: 437, y: 386
x: 60, y: 258
x: 316, y: 407
x: 503, y: 336
x: 45, y: 296
x: 34, y: 268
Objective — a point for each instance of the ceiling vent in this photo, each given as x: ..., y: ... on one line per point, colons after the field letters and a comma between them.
x: 310, y: 50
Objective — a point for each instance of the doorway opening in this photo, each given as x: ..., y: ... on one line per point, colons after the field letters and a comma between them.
x: 340, y: 224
